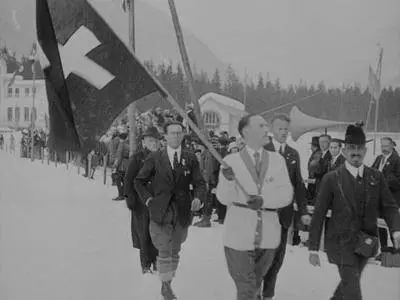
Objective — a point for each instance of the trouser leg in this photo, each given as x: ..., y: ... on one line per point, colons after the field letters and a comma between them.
x: 272, y: 274
x: 349, y: 287
x: 247, y: 269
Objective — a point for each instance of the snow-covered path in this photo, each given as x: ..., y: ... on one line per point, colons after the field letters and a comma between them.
x: 61, y: 237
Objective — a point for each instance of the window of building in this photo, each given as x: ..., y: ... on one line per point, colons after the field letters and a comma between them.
x: 212, y: 120
x: 17, y: 114
x: 16, y: 92
x: 26, y: 113
x: 9, y: 114
x: 34, y: 113
x: 9, y: 92
x: 27, y: 90
x: 34, y: 90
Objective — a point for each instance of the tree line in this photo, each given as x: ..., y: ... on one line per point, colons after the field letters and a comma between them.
x: 347, y: 103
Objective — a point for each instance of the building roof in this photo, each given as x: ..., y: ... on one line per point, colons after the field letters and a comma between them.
x: 226, y: 101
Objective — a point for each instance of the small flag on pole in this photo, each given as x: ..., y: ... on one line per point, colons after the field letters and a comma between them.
x: 18, y: 71
x: 374, y: 86
x: 91, y: 75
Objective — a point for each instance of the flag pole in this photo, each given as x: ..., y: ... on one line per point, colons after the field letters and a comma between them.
x: 379, y: 72
x: 33, y: 111
x: 186, y: 63
x: 245, y: 89
x: 132, y: 106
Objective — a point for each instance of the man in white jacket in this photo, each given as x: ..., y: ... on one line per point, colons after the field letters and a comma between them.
x: 253, y: 187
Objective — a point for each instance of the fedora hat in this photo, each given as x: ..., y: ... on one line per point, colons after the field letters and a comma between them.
x: 152, y: 132
x: 315, y: 141
x: 355, y: 135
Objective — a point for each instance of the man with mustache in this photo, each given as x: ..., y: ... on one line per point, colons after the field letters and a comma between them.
x: 389, y: 164
x: 356, y: 195
x: 252, y: 230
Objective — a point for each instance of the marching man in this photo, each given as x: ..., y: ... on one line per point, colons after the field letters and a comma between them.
x: 356, y: 194
x: 252, y: 229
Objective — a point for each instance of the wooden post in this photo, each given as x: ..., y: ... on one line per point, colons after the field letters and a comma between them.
x: 105, y: 158
x: 132, y: 106
x: 66, y: 158
x: 89, y: 158
x: 186, y: 64
x: 55, y: 158
x: 78, y: 162
x: 42, y: 154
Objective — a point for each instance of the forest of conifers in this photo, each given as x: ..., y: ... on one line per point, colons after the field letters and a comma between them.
x: 347, y: 103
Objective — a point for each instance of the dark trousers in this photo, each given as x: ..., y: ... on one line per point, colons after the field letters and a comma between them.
x: 272, y: 274
x: 383, y: 238
x: 349, y: 287
x: 120, y: 183
x: 141, y: 238
x: 247, y: 269
x: 221, y: 211
x: 209, y: 204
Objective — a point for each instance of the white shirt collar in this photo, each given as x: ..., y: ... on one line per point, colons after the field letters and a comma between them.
x: 278, y: 145
x: 386, y: 157
x: 334, y: 158
x: 171, y: 153
x: 251, y: 152
x: 324, y: 152
x: 353, y: 170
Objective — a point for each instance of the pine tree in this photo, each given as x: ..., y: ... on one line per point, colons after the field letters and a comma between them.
x: 216, y: 82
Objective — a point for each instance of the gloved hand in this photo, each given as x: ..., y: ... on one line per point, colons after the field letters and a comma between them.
x: 228, y: 173
x: 255, y: 202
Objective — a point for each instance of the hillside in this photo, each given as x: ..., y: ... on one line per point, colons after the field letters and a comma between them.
x: 155, y: 37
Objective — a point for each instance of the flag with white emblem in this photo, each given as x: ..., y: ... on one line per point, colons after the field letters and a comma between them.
x: 91, y: 75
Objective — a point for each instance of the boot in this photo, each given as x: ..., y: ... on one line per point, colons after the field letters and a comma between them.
x: 166, y: 291
x: 204, y: 222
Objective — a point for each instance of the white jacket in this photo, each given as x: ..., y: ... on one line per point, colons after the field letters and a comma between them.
x: 240, y: 223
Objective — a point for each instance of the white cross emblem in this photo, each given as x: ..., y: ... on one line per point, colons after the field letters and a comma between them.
x: 74, y: 60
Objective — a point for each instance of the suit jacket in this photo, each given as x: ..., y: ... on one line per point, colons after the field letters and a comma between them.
x: 391, y: 172
x: 292, y: 159
x: 338, y: 162
x: 344, y: 224
x: 136, y: 163
x: 171, y: 189
x: 322, y: 168
x: 313, y: 162
x: 122, y: 156
x: 275, y: 188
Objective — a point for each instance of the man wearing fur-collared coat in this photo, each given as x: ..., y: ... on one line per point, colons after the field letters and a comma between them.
x: 253, y: 185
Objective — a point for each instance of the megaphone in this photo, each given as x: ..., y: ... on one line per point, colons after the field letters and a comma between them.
x: 302, y: 123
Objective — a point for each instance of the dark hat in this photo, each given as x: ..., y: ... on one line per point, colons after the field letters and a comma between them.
x: 315, y: 141
x: 335, y: 140
x: 355, y: 135
x: 152, y: 132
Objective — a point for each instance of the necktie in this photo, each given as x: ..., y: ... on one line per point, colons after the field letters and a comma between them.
x: 256, y: 156
x: 176, y: 162
x: 281, y: 150
x: 358, y: 178
x: 382, y: 163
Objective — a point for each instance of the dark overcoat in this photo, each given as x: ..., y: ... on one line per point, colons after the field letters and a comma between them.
x: 391, y: 172
x: 292, y: 159
x: 344, y: 225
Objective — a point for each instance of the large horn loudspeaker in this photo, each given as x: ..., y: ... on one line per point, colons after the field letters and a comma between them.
x: 302, y: 123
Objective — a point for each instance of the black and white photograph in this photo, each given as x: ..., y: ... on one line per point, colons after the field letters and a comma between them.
x: 199, y: 149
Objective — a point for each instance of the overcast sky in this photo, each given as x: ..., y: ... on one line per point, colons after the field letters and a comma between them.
x: 332, y: 40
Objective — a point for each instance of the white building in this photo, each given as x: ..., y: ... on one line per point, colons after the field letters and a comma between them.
x: 16, y: 101
x: 221, y: 113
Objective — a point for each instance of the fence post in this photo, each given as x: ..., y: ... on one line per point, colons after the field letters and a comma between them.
x: 78, y: 161
x: 105, y: 162
x: 42, y: 154
x: 55, y: 158
x: 66, y: 158
x: 48, y: 156
x: 89, y: 164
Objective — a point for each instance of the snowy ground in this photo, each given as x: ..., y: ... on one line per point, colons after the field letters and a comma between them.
x: 61, y: 237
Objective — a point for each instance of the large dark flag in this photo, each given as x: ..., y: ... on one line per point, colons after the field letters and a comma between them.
x: 91, y: 75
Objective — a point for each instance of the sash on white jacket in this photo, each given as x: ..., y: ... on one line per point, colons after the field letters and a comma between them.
x: 276, y: 189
